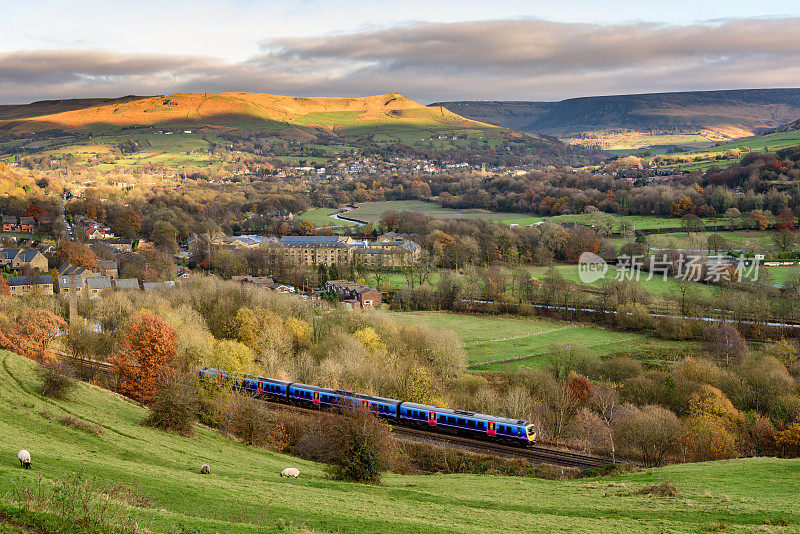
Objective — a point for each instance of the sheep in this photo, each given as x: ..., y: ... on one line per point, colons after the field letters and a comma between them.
x: 290, y: 472
x: 204, y: 469
x: 24, y: 459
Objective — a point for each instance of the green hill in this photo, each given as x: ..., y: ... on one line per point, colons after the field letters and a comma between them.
x: 157, y: 476
x: 182, y: 126
x: 695, y: 118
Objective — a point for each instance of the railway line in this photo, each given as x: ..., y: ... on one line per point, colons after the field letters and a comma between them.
x: 534, y: 453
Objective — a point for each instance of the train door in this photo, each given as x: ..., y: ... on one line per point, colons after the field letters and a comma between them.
x: 491, y: 428
x: 260, y: 387
x: 315, y: 398
x: 365, y: 404
x: 432, y: 418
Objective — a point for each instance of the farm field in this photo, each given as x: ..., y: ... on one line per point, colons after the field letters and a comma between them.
x: 490, y: 340
x: 243, y: 493
x: 639, y: 222
x: 772, y: 142
x: 657, y: 285
x: 373, y: 211
x: 322, y: 217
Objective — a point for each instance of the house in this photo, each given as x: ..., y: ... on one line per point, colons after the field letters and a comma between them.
x: 97, y: 284
x: 258, y: 281
x: 364, y: 296
x: 108, y: 268
x: 28, y: 285
x: 122, y: 245
x: 10, y: 224
x: 23, y: 260
x: 153, y: 286
x: 71, y: 284
x: 67, y: 269
x: 27, y: 224
x: 282, y: 288
x: 122, y: 284
x: 183, y: 272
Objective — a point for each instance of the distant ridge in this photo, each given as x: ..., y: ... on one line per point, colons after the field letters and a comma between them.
x: 226, y: 111
x: 712, y: 116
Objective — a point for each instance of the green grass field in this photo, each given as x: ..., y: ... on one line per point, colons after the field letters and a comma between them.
x: 639, y: 222
x: 490, y: 339
x: 244, y: 494
x: 373, y: 211
x: 321, y: 217
x: 771, y: 142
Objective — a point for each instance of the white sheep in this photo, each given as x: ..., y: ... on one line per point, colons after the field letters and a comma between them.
x: 204, y: 469
x: 290, y: 472
x: 24, y: 459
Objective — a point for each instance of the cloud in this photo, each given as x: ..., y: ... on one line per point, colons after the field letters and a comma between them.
x: 500, y: 59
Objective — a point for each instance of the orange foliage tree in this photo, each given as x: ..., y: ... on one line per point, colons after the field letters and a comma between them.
x: 77, y: 254
x: 581, y: 239
x: 31, y: 334
x: 145, y: 348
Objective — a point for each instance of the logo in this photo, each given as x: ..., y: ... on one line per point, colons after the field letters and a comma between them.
x: 591, y: 267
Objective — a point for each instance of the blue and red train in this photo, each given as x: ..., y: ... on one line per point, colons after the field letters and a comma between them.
x: 433, y: 418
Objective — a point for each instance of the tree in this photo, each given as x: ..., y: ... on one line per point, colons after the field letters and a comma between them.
x: 717, y: 243
x: 692, y: 223
x: 680, y: 206
x: 78, y: 254
x: 784, y: 240
x: 128, y: 224
x: 651, y: 433
x: 724, y: 342
x: 5, y: 289
x: 31, y: 334
x: 581, y: 239
x: 165, y: 237
x: 175, y: 404
x: 761, y: 220
x: 785, y: 220
x: 605, y: 397
x: 145, y: 348
x: 305, y: 228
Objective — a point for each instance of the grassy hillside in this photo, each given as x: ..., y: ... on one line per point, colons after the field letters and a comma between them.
x: 489, y: 340
x: 244, y: 493
x: 698, y: 118
x: 188, y: 125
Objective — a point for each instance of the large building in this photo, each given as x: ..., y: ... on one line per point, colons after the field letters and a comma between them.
x: 389, y: 250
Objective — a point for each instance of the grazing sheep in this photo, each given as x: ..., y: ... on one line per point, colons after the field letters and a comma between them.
x: 290, y: 472
x: 204, y: 469
x: 24, y: 459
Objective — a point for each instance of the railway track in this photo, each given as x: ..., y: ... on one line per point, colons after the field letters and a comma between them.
x: 534, y: 453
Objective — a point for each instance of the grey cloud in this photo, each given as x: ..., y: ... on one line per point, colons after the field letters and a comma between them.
x: 501, y: 59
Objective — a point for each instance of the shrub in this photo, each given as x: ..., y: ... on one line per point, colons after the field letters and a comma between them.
x: 708, y: 438
x: 175, y: 404
x: 724, y: 342
x: 250, y: 420
x: 357, y: 446
x: 57, y: 381
x: 650, y: 434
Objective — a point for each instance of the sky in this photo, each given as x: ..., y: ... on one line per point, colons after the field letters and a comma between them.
x: 433, y: 50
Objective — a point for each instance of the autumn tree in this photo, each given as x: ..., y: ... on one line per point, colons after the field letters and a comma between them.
x: 581, y: 239
x: 305, y: 228
x: 128, y: 224
x: 784, y: 240
x: 165, y: 237
x: 651, y: 433
x: 5, y: 289
x: 680, y: 206
x: 145, y: 348
x: 724, y: 342
x: 32, y: 333
x: 785, y: 220
x: 78, y: 254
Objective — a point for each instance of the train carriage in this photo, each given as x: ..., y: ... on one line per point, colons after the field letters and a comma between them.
x: 434, y: 418
x: 477, y: 425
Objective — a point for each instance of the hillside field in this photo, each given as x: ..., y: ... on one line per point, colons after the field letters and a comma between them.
x: 372, y: 212
x: 244, y: 493
x: 492, y: 340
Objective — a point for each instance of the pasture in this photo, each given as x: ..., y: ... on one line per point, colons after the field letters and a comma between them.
x: 322, y: 217
x: 491, y: 341
x: 372, y: 212
x: 164, y: 492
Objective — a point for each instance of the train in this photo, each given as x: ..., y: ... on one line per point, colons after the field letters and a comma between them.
x: 432, y: 418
